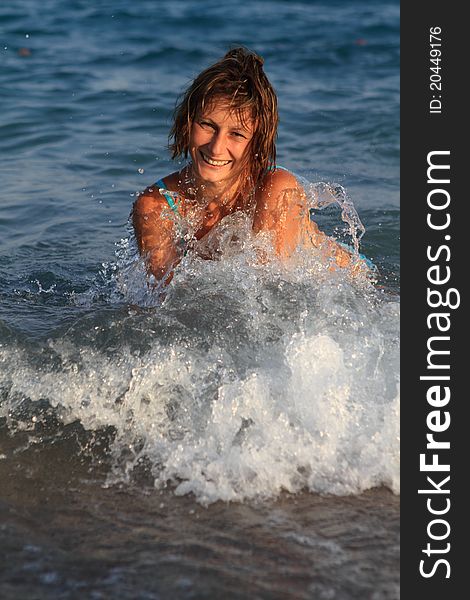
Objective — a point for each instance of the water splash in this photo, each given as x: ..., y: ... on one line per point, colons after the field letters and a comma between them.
x: 322, y: 194
x: 247, y: 379
x: 241, y: 379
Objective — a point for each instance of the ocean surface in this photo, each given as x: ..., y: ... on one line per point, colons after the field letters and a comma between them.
x: 237, y: 437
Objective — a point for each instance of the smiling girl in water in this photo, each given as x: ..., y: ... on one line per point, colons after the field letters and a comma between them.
x: 227, y: 123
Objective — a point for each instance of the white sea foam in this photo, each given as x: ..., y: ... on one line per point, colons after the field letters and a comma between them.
x: 245, y: 380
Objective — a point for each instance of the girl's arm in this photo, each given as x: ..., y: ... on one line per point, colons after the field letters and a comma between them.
x: 282, y: 209
x: 154, y: 229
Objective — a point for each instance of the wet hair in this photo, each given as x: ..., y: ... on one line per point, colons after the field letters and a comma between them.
x: 239, y: 79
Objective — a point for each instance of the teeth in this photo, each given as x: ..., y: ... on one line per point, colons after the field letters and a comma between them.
x: 215, y: 163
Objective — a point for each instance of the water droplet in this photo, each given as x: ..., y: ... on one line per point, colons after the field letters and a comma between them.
x: 141, y: 170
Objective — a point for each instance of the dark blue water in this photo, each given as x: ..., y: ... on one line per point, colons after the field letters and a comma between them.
x: 243, y: 438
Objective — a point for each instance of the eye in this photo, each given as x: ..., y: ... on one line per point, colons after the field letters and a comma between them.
x: 206, y: 124
x: 238, y: 135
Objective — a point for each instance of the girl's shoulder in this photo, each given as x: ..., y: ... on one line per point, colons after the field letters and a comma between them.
x: 276, y: 179
x: 158, y: 195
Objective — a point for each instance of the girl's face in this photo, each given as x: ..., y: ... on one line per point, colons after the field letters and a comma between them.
x: 219, y: 143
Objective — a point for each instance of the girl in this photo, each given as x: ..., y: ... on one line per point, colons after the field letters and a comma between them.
x: 227, y: 123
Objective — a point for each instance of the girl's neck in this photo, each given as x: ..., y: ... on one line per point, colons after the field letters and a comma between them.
x: 223, y: 193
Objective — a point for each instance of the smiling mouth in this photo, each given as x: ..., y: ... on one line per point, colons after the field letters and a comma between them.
x: 214, y: 163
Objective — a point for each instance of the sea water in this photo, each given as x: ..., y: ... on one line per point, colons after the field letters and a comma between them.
x: 238, y: 432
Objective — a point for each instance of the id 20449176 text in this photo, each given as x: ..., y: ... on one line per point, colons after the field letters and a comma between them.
x: 435, y: 70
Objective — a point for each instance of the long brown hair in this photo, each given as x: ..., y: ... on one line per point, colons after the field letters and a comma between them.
x: 239, y: 78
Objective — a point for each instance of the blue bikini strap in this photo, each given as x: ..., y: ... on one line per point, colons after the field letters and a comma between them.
x: 171, y: 203
x: 350, y: 249
x: 274, y: 167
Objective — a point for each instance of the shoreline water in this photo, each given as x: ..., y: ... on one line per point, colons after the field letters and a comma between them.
x: 72, y: 536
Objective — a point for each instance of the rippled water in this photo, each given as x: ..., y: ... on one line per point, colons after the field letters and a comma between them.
x: 238, y: 435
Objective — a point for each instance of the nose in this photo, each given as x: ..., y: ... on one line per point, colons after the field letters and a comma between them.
x: 216, y: 145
